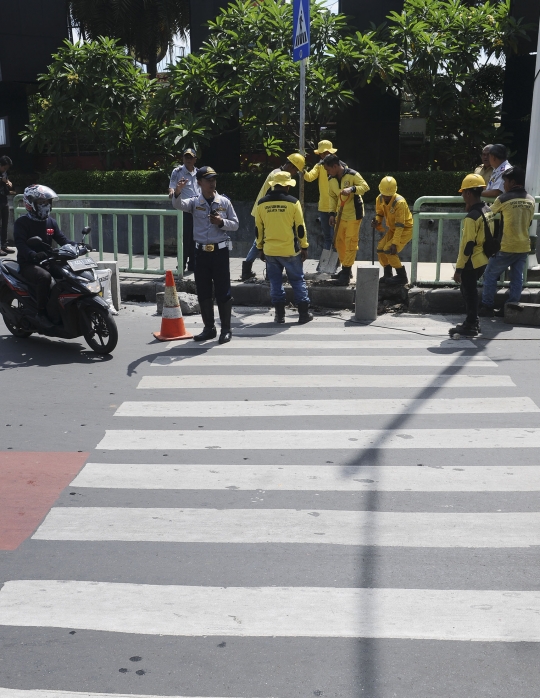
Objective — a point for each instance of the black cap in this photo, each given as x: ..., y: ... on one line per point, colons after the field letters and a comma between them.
x: 206, y: 172
x: 499, y: 151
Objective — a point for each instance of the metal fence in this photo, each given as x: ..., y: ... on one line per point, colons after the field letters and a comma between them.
x: 443, y: 216
x: 140, y: 216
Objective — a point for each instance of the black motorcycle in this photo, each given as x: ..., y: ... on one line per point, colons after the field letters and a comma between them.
x: 75, y: 307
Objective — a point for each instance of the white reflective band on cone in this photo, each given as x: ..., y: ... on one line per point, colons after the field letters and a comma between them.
x: 172, y: 313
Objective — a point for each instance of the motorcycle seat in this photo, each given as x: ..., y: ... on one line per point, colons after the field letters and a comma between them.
x: 14, y: 269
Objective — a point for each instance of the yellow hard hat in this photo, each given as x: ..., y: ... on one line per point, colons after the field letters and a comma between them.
x: 325, y: 146
x: 299, y: 161
x: 284, y: 179
x: 388, y: 186
x: 473, y: 181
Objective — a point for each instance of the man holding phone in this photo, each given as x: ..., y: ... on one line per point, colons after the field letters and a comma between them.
x: 187, y: 171
x: 213, y: 218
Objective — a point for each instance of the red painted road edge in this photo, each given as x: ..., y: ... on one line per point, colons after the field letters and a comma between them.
x: 30, y: 483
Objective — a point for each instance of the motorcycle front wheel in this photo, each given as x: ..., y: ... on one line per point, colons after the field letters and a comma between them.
x: 103, y: 335
x: 17, y: 330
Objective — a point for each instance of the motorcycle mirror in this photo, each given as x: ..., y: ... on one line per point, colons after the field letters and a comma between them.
x: 86, y: 231
x: 37, y: 244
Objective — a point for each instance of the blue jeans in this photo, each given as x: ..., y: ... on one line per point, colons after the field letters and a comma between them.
x: 327, y: 229
x: 253, y: 253
x: 295, y: 273
x: 496, y: 266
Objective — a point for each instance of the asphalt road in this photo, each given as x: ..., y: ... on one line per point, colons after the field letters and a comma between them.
x: 366, y: 524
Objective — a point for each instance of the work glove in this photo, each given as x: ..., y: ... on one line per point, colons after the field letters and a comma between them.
x: 40, y: 257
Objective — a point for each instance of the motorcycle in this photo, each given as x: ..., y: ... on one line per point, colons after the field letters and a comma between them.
x: 75, y: 306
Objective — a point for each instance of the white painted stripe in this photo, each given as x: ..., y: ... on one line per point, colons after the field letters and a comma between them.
x: 331, y: 331
x: 305, y: 439
x: 328, y: 527
x: 314, y: 408
x: 41, y: 693
x: 312, y: 478
x: 428, y: 614
x: 246, y: 343
x: 334, y: 360
x: 382, y: 382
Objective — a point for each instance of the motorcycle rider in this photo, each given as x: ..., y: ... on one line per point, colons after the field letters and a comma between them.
x: 38, y: 200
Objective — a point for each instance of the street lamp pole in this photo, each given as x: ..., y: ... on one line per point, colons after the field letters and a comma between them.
x: 532, y: 183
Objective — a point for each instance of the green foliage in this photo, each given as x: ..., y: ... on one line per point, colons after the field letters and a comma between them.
x: 94, y: 94
x: 241, y: 186
x: 145, y: 27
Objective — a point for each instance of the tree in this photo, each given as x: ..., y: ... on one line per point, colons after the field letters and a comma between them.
x: 245, y: 70
x: 145, y: 27
x: 92, y: 94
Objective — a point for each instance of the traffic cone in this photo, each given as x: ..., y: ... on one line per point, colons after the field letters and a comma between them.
x: 172, y: 322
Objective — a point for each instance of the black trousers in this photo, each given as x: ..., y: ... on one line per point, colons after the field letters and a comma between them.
x: 212, y: 268
x: 188, y: 244
x: 4, y: 218
x: 40, y: 280
x: 469, y: 290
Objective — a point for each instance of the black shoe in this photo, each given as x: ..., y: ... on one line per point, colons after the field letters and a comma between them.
x: 42, y: 319
x: 388, y: 272
x: 280, y: 313
x: 207, y: 333
x: 485, y: 311
x: 8, y: 250
x: 303, y: 313
x: 344, y: 277
x: 499, y: 312
x: 247, y: 273
x: 225, y: 312
x: 465, y: 329
x: 400, y: 279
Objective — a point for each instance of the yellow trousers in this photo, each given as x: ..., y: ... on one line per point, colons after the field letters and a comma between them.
x: 347, y: 241
x: 392, y: 259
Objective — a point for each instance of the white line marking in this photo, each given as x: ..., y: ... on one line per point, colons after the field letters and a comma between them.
x: 328, y: 527
x: 41, y: 693
x: 245, y: 343
x: 427, y: 614
x: 314, y: 478
x: 309, y: 439
x: 211, y: 359
x: 382, y: 382
x: 314, y: 408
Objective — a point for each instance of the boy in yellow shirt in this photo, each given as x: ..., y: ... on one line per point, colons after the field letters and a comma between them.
x: 345, y: 183
x: 393, y: 208
x: 471, y: 262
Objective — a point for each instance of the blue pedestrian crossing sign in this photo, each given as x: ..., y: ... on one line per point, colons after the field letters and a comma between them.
x: 300, y: 29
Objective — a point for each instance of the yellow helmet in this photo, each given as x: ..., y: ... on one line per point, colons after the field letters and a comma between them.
x: 299, y: 161
x: 388, y: 186
x: 473, y: 181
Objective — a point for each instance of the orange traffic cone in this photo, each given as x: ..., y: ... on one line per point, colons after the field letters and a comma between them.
x: 172, y: 322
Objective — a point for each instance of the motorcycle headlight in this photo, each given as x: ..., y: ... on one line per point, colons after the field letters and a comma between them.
x: 94, y: 287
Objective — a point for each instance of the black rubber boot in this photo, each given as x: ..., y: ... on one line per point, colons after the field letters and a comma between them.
x: 280, y: 313
x: 387, y: 274
x: 247, y: 273
x: 400, y: 279
x: 207, y: 314
x: 465, y: 329
x: 344, y: 277
x: 225, y: 310
x: 304, y: 314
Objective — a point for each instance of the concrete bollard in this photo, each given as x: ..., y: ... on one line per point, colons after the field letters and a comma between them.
x: 115, y: 281
x: 367, y: 293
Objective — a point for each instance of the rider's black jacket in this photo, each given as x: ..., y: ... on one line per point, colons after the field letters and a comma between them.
x: 26, y: 228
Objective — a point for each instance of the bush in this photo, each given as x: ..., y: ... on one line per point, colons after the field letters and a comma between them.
x: 241, y: 186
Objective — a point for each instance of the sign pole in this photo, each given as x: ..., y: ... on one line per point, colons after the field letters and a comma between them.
x: 302, y: 144
x: 532, y: 183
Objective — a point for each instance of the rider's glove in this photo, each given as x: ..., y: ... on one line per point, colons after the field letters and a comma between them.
x: 40, y: 256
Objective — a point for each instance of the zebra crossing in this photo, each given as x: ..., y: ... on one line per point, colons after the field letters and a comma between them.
x: 403, y: 439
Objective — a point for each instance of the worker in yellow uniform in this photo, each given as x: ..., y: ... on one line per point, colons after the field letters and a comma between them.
x: 472, y: 260
x: 295, y: 163
x: 325, y: 207
x: 393, y: 208
x: 283, y: 244
x: 345, y: 184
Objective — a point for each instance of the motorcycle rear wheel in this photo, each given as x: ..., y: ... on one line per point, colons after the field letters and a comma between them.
x: 16, y: 330
x: 103, y: 336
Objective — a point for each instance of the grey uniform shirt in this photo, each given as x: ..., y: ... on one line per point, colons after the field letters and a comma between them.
x: 204, y: 232
x: 192, y: 188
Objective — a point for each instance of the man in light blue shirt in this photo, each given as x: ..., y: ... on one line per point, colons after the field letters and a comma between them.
x: 498, y: 155
x: 187, y: 172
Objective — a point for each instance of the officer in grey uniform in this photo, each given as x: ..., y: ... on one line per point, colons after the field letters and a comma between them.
x: 213, y: 217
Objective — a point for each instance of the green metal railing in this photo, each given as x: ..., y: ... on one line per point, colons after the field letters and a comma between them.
x: 67, y: 215
x: 443, y: 216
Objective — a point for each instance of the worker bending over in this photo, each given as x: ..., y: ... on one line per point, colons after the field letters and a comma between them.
x: 345, y: 183
x: 325, y: 207
x: 282, y: 242
x: 393, y: 208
